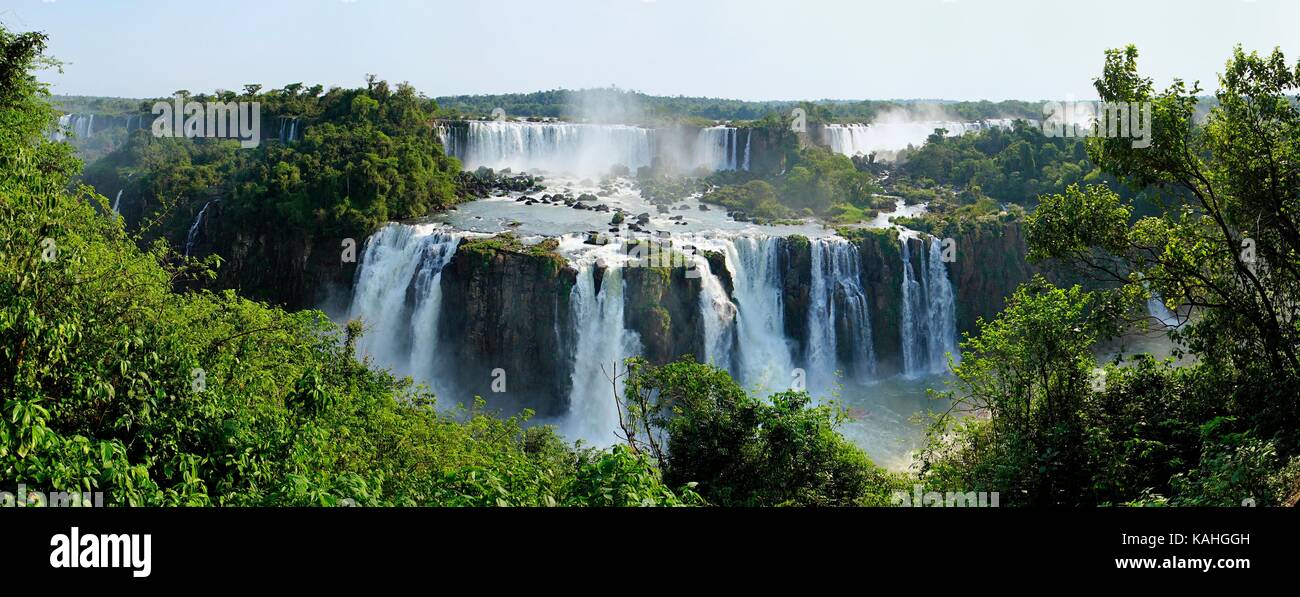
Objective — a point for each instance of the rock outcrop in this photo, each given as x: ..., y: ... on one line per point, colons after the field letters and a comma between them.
x: 507, y: 308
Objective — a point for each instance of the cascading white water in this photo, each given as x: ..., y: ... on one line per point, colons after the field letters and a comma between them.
x: 863, y: 139
x: 585, y: 149
x: 447, y: 137
x: 929, y: 329
x: 765, y: 357
x: 398, y: 294
x: 942, y: 310
x: 1157, y: 309
x: 838, y: 302
x: 288, y: 129
x: 820, y: 349
x: 193, y: 235
x: 60, y: 131
x: 603, y: 344
x: 117, y: 201
x: 910, y: 345
x: 719, y: 316
x: 749, y: 136
x: 717, y: 148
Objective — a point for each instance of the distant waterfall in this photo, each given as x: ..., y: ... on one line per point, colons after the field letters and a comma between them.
x: 288, y: 129
x: 1157, y: 309
x: 588, y: 149
x: 398, y: 293
x: 603, y: 344
x: 60, y: 131
x: 83, y: 126
x: 749, y: 136
x: 117, y: 201
x: 447, y: 136
x: 863, y: 139
x: 89, y: 123
x: 196, y: 228
x: 717, y: 148
x: 839, y: 319
x: 80, y: 126
x: 929, y: 328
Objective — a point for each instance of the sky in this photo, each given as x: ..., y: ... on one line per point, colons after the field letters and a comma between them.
x: 743, y: 49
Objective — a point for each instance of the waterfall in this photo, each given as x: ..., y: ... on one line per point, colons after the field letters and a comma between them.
x: 60, y: 131
x: 602, y: 345
x: 749, y: 136
x: 942, y: 310
x: 288, y: 129
x: 716, y: 148
x: 863, y: 139
x: 719, y: 316
x: 765, y: 358
x: 562, y: 147
x: 117, y: 201
x: 447, y: 137
x: 1157, y: 309
x: 196, y: 229
x: 820, y: 349
x: 398, y: 293
x: 839, y: 319
x: 929, y: 329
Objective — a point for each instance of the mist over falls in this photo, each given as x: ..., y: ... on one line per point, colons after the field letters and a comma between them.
x: 593, y: 149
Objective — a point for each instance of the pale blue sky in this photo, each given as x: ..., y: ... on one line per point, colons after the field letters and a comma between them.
x: 746, y: 49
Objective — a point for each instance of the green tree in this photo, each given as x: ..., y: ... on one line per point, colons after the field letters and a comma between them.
x: 742, y: 450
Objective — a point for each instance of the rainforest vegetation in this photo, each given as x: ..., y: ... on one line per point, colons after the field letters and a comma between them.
x: 650, y: 109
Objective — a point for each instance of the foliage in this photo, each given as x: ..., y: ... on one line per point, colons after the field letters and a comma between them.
x: 364, y: 157
x: 112, y: 381
x: 632, y: 107
x: 818, y: 182
x: 742, y: 450
x: 1221, y: 245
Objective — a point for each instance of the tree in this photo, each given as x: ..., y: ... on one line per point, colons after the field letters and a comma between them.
x: 1226, y: 243
x: 741, y: 450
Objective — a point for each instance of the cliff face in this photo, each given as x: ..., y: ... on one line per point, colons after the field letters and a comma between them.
x: 882, y: 279
x: 663, y: 306
x: 294, y: 272
x: 509, y: 310
x: 795, y: 264
x: 507, y: 307
x: 266, y: 264
x: 990, y: 265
